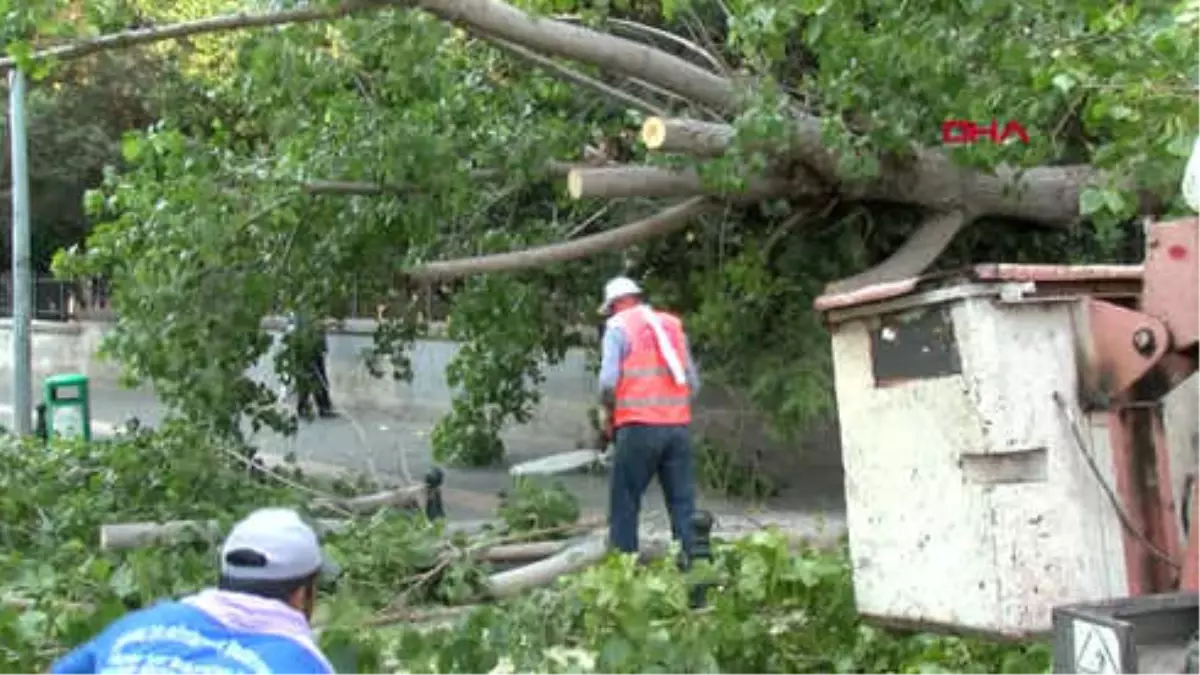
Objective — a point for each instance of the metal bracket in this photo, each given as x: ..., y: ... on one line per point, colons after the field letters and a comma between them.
x: 1117, y: 347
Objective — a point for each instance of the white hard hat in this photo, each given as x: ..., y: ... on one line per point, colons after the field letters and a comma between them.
x: 619, y: 287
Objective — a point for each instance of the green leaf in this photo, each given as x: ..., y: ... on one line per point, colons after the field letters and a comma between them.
x: 131, y: 147
x: 1064, y: 83
x: 1091, y: 200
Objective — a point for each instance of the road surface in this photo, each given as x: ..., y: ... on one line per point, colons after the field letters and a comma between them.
x: 386, y: 445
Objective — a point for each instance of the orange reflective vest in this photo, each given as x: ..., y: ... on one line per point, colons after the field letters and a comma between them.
x: 646, y: 393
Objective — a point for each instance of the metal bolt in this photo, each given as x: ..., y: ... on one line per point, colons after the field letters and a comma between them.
x: 1143, y: 341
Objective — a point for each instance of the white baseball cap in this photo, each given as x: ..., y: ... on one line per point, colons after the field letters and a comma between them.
x: 289, y: 545
x: 616, y: 288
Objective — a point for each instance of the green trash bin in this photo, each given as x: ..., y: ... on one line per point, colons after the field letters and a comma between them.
x: 68, y: 406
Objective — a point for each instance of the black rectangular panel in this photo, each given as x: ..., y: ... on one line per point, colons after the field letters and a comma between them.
x: 915, y: 345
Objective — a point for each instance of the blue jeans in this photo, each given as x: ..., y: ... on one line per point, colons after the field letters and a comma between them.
x: 642, y: 452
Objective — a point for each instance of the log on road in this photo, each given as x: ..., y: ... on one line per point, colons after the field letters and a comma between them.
x: 573, y: 558
x: 122, y: 536
x: 408, y: 497
x: 559, y: 463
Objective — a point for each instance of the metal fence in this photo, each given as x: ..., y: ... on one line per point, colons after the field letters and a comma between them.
x: 51, y: 298
x: 55, y: 300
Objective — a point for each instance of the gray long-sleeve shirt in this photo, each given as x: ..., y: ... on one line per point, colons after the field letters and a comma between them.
x: 613, y: 349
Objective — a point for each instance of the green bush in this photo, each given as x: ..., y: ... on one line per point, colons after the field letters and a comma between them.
x: 772, y: 609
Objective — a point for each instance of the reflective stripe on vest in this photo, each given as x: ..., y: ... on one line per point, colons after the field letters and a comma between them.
x: 646, y: 392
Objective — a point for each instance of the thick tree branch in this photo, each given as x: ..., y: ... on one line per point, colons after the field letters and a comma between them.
x: 638, y: 27
x: 662, y: 223
x: 915, y: 256
x: 1047, y: 196
x: 215, y: 24
x: 619, y: 182
x: 575, y: 77
x: 348, y: 187
x: 552, y: 169
x: 609, y: 52
x: 688, y: 137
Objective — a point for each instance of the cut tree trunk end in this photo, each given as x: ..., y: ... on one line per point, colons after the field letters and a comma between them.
x: 688, y: 137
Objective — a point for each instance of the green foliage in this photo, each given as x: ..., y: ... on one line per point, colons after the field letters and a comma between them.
x: 217, y: 215
x: 505, y: 329
x: 772, y: 609
x: 537, y: 505
x: 208, y: 229
x: 722, y: 471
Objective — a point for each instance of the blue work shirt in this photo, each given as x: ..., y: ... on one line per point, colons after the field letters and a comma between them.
x: 178, y: 637
x: 615, y: 346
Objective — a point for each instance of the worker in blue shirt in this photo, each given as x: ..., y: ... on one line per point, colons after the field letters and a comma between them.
x: 256, y: 621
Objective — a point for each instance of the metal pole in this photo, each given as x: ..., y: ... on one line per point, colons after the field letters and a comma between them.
x: 22, y: 285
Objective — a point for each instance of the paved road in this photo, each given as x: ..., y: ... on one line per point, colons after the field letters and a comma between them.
x: 377, y: 443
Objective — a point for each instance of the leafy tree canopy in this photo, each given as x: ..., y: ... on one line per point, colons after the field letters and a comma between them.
x: 220, y: 220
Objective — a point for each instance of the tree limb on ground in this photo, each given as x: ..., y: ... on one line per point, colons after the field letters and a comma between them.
x: 122, y: 536
x: 503, y: 548
x: 572, y: 559
x: 405, y: 497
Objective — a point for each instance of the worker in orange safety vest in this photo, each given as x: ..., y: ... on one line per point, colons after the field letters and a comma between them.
x: 647, y: 382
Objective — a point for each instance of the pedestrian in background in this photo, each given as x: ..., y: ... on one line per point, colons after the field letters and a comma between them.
x: 310, y: 345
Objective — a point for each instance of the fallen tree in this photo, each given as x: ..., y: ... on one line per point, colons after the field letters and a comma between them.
x: 800, y: 174
x: 1048, y: 196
